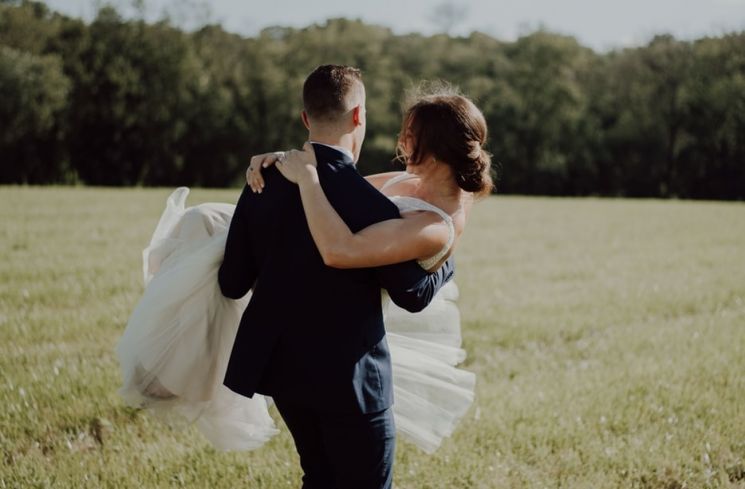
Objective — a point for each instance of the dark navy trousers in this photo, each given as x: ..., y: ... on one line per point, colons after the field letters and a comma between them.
x: 342, y: 451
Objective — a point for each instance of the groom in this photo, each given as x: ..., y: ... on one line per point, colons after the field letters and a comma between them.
x: 312, y: 337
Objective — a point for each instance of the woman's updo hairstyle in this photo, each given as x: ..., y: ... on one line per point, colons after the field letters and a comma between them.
x: 441, y: 123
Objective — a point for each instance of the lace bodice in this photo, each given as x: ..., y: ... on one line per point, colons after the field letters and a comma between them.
x: 407, y: 204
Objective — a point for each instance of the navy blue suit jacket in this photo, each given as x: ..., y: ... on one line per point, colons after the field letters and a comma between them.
x: 310, y: 333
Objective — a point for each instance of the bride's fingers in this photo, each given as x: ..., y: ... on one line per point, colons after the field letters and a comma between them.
x: 250, y: 173
x: 255, y: 186
x: 250, y: 169
x: 254, y: 179
x: 258, y: 163
x: 272, y: 158
x: 258, y: 179
x: 250, y: 180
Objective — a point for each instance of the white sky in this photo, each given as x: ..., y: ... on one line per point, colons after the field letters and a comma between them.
x: 600, y: 24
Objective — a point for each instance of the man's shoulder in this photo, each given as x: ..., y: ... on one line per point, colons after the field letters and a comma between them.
x: 358, y: 202
x: 346, y: 177
x: 338, y: 177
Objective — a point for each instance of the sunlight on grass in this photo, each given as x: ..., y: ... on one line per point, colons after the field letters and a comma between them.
x: 608, y: 337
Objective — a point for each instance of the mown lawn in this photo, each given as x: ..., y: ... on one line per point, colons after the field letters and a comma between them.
x: 608, y: 337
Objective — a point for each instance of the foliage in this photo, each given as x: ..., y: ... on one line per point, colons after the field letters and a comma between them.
x: 139, y: 103
x: 34, y: 92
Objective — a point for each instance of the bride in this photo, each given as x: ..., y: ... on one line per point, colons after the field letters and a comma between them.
x: 176, y: 345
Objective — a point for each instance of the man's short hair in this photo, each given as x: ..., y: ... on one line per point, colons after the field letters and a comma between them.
x: 326, y: 89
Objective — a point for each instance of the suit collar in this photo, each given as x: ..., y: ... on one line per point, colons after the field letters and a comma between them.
x: 329, y: 154
x: 344, y: 151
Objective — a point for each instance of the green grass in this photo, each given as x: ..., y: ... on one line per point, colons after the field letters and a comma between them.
x: 608, y: 337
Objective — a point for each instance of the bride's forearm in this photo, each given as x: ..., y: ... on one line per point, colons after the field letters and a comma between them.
x: 382, y: 243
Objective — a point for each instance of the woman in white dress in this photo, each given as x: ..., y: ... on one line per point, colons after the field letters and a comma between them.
x: 177, y: 343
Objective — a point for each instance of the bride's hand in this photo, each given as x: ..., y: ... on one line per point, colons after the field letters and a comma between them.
x: 254, y: 179
x: 298, y: 166
x: 293, y: 165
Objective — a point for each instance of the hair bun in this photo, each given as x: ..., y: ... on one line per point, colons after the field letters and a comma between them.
x: 474, y: 174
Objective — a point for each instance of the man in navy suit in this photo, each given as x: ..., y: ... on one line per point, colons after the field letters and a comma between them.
x: 312, y: 337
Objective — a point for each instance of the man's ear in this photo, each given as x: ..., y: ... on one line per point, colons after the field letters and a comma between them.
x: 306, y: 122
x: 357, y: 115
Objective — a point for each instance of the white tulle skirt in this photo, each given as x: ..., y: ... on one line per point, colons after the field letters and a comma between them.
x: 177, y: 343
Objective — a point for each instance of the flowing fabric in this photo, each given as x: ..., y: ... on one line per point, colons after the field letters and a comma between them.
x: 177, y: 343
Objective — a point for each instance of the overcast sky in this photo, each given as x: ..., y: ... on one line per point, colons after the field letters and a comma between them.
x: 601, y: 24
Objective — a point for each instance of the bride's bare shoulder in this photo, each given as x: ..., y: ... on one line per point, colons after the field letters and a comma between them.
x: 378, y: 180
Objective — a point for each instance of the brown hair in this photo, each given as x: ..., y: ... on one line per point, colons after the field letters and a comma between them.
x: 443, y: 124
x: 326, y: 89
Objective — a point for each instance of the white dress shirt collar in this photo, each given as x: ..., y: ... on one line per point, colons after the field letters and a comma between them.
x: 344, y: 151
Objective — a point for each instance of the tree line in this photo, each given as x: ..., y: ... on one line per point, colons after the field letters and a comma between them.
x: 122, y: 101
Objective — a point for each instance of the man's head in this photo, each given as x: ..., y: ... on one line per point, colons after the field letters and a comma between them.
x: 334, y: 106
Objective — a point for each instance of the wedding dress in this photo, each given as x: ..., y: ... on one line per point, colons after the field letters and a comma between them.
x: 175, y: 348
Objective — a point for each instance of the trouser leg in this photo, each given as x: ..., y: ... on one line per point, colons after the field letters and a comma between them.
x: 360, y: 448
x: 305, y: 426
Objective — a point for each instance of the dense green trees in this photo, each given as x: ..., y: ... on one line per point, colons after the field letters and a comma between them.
x: 34, y: 92
x: 124, y: 102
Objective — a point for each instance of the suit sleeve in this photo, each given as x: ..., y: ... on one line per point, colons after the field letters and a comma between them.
x: 412, y: 288
x: 239, y: 270
x: 361, y: 205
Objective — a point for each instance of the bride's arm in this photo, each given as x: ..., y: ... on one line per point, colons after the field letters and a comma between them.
x: 418, y: 236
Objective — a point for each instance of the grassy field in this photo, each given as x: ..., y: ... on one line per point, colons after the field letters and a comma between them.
x: 608, y: 337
